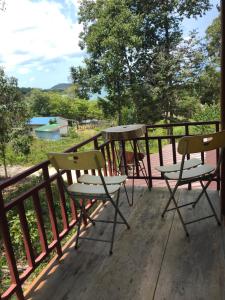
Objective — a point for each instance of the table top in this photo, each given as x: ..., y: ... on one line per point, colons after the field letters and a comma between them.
x: 124, y: 132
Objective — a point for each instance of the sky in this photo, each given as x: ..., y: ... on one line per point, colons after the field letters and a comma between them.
x: 40, y: 39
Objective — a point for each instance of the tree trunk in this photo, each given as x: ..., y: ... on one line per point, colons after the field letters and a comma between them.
x: 4, y: 160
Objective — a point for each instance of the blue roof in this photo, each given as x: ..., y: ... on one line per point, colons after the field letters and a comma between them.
x: 41, y: 120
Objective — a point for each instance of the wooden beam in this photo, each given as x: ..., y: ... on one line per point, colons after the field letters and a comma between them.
x: 223, y: 101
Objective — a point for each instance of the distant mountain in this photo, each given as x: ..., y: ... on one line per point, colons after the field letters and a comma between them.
x: 60, y: 87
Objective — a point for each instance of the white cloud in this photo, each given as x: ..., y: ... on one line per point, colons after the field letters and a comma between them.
x: 23, y: 70
x: 34, y: 32
x: 31, y: 79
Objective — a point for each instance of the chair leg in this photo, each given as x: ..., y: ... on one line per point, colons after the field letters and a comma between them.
x: 180, y: 216
x: 210, y: 204
x: 114, y: 224
x: 172, y: 193
x: 119, y: 212
x: 128, y: 200
x: 144, y: 172
x: 204, y: 187
x: 78, y: 228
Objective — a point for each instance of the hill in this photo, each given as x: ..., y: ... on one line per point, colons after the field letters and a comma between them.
x: 60, y: 87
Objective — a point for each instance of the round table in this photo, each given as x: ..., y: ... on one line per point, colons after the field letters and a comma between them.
x: 126, y: 133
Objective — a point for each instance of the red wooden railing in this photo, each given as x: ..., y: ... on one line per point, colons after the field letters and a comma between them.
x: 68, y: 213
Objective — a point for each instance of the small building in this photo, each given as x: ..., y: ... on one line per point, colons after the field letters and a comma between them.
x: 90, y: 122
x: 37, y: 122
x: 49, y: 132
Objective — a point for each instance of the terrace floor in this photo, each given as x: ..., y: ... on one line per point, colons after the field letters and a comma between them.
x: 152, y: 260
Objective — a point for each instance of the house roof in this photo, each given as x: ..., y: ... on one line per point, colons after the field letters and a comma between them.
x: 41, y: 120
x: 48, y: 128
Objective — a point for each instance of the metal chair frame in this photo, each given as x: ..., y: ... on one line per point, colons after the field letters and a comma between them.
x: 84, y: 161
x: 186, y: 146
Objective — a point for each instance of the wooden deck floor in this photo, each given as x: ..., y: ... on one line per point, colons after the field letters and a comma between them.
x: 152, y: 260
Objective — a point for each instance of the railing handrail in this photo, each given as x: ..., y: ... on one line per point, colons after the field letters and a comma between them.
x: 183, y: 124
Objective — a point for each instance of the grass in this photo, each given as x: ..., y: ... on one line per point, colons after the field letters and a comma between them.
x: 40, y: 148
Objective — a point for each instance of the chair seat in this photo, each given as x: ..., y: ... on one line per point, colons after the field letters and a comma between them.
x: 191, y: 163
x: 90, y: 190
x: 92, y: 179
x: 191, y: 174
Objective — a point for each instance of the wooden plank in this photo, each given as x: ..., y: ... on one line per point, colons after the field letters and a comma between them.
x: 131, y: 272
x: 195, y: 268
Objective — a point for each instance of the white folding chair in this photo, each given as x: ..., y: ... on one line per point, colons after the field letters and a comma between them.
x: 80, y: 192
x: 188, y: 171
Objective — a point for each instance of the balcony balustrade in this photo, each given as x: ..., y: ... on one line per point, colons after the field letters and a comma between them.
x: 48, y: 192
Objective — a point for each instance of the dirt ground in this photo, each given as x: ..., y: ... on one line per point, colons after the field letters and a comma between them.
x: 12, y: 170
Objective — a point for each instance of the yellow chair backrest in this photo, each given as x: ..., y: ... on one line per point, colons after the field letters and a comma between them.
x: 77, y: 160
x: 201, y: 143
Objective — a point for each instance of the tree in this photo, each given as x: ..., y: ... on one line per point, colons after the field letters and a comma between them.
x: 135, y: 52
x: 213, y: 40
x: 39, y: 102
x: 209, y: 79
x: 94, y: 110
x: 13, y: 115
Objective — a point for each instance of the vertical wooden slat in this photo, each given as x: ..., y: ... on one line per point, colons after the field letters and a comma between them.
x: 93, y: 172
x: 203, y: 157
x: 104, y: 168
x: 187, y: 133
x: 52, y: 215
x: 114, y: 158
x: 123, y: 158
x: 109, y: 160
x: 72, y: 203
x: 160, y: 151
x: 222, y: 102
x: 174, y: 150
x: 63, y: 204
x: 217, y: 157
x: 148, y: 159
x: 26, y: 235
x: 188, y: 155
x: 40, y: 223
x: 135, y: 158
x: 4, y: 227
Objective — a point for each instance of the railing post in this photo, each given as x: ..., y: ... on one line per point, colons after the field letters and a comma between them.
x: 222, y: 102
x: 148, y: 159
x: 4, y: 228
x: 51, y: 210
x: 188, y: 155
x: 217, y: 158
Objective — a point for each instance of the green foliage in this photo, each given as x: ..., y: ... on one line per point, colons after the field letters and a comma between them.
x: 209, y: 85
x: 39, y: 103
x: 137, y: 54
x: 21, y: 144
x: 207, y: 112
x: 67, y: 105
x: 13, y: 116
x: 213, y: 40
x: 73, y: 133
x: 39, y: 148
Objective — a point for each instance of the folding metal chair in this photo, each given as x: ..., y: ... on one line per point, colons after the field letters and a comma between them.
x: 192, y: 170
x: 80, y: 192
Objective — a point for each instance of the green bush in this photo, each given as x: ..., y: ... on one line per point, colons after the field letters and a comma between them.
x: 207, y: 112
